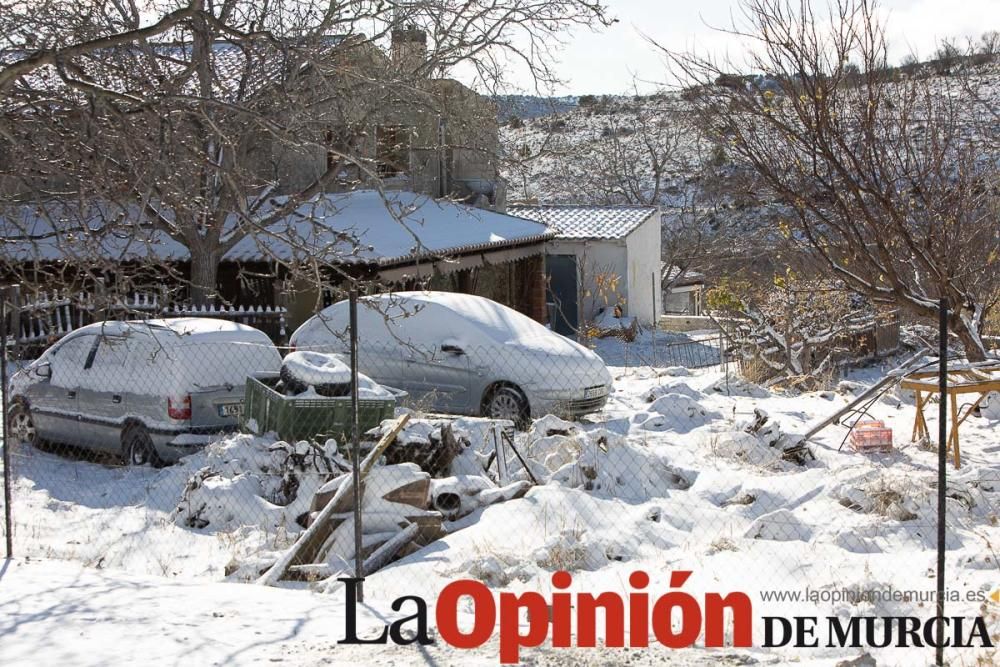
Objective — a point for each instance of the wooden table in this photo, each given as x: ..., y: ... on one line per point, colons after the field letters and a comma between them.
x: 971, y: 379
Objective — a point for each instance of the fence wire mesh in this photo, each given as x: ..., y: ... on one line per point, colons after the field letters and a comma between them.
x: 210, y: 453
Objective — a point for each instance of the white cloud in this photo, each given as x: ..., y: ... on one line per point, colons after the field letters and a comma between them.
x: 606, y: 62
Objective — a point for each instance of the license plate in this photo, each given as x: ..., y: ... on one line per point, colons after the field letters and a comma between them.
x: 230, y: 409
x: 594, y: 392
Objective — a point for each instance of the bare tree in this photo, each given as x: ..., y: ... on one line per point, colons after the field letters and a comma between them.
x: 989, y: 43
x: 210, y: 122
x: 890, y: 185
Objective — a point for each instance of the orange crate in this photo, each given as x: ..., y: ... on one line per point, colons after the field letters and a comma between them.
x: 870, y: 424
x: 871, y: 439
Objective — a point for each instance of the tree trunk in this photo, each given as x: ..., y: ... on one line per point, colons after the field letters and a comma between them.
x: 972, y: 340
x: 204, y: 277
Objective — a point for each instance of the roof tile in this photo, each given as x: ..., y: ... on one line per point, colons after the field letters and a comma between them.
x: 587, y: 222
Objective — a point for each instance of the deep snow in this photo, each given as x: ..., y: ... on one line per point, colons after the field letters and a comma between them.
x: 664, y: 478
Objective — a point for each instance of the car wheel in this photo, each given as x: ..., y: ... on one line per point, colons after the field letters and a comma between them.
x: 138, y: 448
x: 507, y: 402
x: 21, y: 425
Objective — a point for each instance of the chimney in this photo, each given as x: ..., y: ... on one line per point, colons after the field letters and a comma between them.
x: 409, y: 48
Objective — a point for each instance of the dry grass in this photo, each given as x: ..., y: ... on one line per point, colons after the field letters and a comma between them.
x: 722, y: 544
x: 566, y: 554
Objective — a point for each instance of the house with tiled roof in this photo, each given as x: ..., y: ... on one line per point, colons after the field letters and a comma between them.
x: 428, y: 210
x: 601, y: 258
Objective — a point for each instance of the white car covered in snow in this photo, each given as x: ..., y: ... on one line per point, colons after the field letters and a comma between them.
x: 463, y: 354
x: 152, y: 391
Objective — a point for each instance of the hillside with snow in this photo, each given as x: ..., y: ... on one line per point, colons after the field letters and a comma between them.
x: 625, y: 149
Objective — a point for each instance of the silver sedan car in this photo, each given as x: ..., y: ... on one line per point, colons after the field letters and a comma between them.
x: 463, y: 354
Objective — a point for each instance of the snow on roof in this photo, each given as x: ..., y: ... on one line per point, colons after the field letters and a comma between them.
x: 587, y: 222
x: 687, y: 278
x: 387, y: 229
x: 362, y: 226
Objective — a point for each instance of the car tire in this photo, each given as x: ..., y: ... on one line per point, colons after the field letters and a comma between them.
x: 295, y: 386
x: 21, y: 425
x: 507, y: 402
x: 138, y: 447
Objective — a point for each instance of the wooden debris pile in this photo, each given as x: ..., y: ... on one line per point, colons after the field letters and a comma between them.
x: 433, y: 450
x: 404, y: 503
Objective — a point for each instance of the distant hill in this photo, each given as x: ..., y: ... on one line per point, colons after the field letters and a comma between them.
x: 596, y: 151
x: 527, y: 107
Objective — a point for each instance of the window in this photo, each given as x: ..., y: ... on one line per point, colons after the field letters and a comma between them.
x: 392, y: 150
x: 75, y: 351
x: 70, y: 360
x: 109, y: 362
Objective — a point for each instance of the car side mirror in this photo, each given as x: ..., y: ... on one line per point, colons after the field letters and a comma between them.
x: 44, y: 370
x: 452, y: 349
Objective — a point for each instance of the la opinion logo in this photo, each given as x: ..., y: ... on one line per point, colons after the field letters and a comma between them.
x: 556, y: 616
x: 675, y: 620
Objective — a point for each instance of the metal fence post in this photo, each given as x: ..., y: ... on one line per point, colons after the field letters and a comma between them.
x: 942, y: 471
x: 655, y: 318
x: 7, y: 494
x: 356, y: 446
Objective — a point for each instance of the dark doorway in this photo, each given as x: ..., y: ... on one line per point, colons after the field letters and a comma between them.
x: 561, y: 294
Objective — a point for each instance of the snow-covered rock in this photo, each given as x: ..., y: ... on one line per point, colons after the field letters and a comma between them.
x: 781, y: 526
x: 745, y: 448
x: 990, y: 407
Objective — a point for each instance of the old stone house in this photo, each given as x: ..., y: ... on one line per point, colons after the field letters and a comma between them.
x: 426, y: 148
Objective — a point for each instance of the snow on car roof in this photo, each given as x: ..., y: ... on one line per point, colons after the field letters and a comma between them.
x: 501, y: 322
x: 363, y: 226
x: 177, y: 327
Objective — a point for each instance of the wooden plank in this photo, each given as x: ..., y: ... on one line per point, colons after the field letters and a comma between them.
x: 381, y: 556
x: 891, y: 377
x: 916, y: 419
x: 954, y: 430
x: 322, y: 524
x: 964, y: 387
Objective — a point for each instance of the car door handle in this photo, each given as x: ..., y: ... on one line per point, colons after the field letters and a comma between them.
x: 116, y: 398
x: 71, y: 394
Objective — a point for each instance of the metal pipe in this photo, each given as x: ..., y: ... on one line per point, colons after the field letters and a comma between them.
x: 942, y: 471
x: 356, y: 446
x: 7, y: 514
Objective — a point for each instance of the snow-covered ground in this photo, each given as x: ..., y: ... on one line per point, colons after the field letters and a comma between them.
x: 666, y: 478
x: 58, y: 613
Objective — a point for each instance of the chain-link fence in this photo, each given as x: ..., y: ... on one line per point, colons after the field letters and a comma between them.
x: 202, y: 450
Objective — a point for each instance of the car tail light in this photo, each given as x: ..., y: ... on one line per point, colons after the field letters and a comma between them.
x: 179, y: 408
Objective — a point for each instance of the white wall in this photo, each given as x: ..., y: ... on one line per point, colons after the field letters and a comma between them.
x: 635, y: 260
x: 643, y: 246
x: 594, y: 257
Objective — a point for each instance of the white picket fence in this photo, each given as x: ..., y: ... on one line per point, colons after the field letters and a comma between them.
x: 49, y: 315
x: 270, y: 319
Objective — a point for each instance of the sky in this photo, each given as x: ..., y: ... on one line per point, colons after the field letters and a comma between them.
x: 610, y: 61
